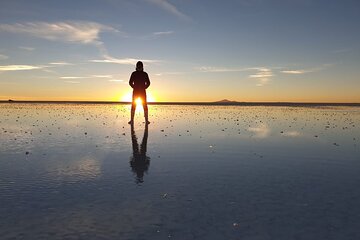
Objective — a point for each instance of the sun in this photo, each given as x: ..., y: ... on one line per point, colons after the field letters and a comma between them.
x: 127, y: 97
x: 138, y: 102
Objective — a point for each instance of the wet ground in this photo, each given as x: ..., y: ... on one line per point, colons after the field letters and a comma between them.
x: 72, y: 171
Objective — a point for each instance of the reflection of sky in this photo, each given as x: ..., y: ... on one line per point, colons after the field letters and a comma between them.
x: 291, y: 134
x: 82, y: 169
x: 260, y: 131
x: 226, y: 163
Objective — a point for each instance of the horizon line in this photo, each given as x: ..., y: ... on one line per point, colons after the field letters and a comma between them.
x: 219, y: 103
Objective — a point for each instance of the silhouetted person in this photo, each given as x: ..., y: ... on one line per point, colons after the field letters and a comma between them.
x: 139, y: 162
x: 139, y: 81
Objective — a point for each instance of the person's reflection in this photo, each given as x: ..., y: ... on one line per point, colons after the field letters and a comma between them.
x: 139, y: 162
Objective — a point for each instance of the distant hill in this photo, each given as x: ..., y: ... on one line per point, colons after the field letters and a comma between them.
x: 226, y: 101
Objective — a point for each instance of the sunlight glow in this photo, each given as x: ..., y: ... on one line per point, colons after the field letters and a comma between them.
x: 128, y: 97
x: 139, y: 106
x: 138, y: 102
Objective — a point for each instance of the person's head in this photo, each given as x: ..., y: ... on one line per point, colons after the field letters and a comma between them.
x: 139, y: 66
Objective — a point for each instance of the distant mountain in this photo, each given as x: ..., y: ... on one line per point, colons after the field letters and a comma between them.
x: 226, y: 101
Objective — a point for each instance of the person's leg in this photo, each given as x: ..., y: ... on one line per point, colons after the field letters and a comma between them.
x: 133, y: 107
x: 146, y: 112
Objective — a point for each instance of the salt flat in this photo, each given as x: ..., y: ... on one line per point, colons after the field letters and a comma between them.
x: 79, y: 171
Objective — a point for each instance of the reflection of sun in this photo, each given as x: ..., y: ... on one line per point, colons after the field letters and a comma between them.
x: 139, y: 106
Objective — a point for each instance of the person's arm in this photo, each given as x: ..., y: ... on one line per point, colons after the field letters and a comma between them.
x: 131, y: 81
x: 147, y: 81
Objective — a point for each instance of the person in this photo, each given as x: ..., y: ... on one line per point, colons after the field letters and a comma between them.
x: 139, y: 81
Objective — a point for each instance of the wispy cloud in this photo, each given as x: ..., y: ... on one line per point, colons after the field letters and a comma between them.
x: 61, y: 63
x: 170, y: 73
x: 19, y: 67
x: 156, y: 35
x: 116, y: 80
x: 220, y: 69
x: 102, y: 76
x: 263, y: 76
x: 3, y: 57
x: 72, y: 82
x: 125, y: 61
x: 309, y: 70
x: 167, y: 6
x: 163, y: 33
x: 293, y: 71
x: 303, y: 71
x: 206, y: 70
x: 27, y: 48
x: 70, y: 31
x: 73, y: 77
x: 109, y: 77
x: 83, y: 77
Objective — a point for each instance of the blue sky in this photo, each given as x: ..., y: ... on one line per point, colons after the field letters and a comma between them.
x: 245, y: 50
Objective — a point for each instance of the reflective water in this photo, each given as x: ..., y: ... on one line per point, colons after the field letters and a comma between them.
x: 197, y: 172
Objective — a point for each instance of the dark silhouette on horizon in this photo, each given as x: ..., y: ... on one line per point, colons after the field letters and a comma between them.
x: 139, y: 162
x: 139, y: 81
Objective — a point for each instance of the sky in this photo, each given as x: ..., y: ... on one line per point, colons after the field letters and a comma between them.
x: 193, y: 50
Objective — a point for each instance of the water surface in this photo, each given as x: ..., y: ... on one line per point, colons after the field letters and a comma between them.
x: 79, y: 171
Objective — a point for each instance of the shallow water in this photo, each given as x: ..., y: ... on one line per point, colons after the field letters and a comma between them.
x: 72, y: 171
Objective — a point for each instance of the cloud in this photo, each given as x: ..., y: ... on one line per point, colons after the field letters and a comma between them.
x: 3, y: 57
x: 293, y: 71
x: 102, y: 76
x: 219, y: 69
x: 72, y: 82
x: 116, y: 80
x: 164, y: 4
x: 82, y: 77
x: 72, y: 77
x: 27, y: 48
x: 70, y: 31
x: 263, y: 76
x: 19, y: 67
x: 61, y: 63
x: 303, y: 71
x: 170, y: 73
x: 156, y: 35
x: 163, y: 33
x: 125, y: 61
